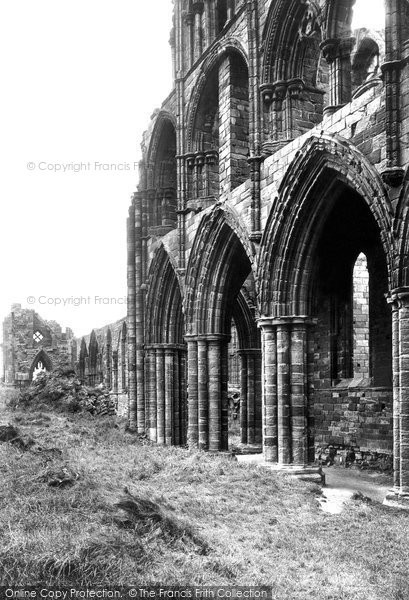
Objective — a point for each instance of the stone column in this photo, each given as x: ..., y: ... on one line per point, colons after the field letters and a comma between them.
x: 283, y: 394
x: 152, y: 404
x: 299, y: 393
x: 215, y: 368
x: 243, y: 397
x: 337, y: 53
x: 193, y: 392
x: 160, y: 395
x: 203, y: 394
x: 403, y: 298
x: 224, y: 392
x: 169, y: 394
x: 131, y: 320
x: 198, y: 33
x: 189, y: 21
x: 396, y: 391
x: 176, y: 399
x: 269, y: 391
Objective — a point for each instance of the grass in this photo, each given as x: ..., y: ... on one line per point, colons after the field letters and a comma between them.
x: 128, y: 512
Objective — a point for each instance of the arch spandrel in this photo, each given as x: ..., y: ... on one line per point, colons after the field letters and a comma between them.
x: 318, y: 167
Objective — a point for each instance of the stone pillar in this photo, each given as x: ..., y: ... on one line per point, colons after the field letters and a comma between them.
x: 189, y: 21
x: 160, y: 395
x: 176, y: 399
x: 203, y: 394
x: 152, y: 406
x: 285, y: 348
x: 243, y: 397
x: 210, y: 25
x: 269, y: 391
x: 224, y: 394
x: 193, y: 392
x: 396, y: 392
x: 299, y: 393
x: 283, y: 394
x: 169, y: 394
x: 198, y: 33
x: 215, y: 392
x: 183, y: 398
x: 337, y: 53
x: 131, y: 320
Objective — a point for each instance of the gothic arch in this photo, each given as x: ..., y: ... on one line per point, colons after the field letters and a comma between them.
x: 286, y: 22
x: 219, y: 50
x: 298, y: 213
x: 42, y: 357
x: 221, y: 259
x: 164, y: 319
x: 337, y: 18
x: 162, y: 172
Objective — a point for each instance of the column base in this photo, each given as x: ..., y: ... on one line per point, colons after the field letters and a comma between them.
x: 395, y: 499
x: 304, y: 472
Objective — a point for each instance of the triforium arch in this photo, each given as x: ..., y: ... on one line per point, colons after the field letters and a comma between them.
x: 332, y: 206
x: 294, y: 72
x: 161, y: 176
x: 41, y: 362
x: 217, y: 125
x: 220, y: 264
x: 165, y: 354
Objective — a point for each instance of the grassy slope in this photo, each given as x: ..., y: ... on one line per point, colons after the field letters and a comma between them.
x: 218, y: 522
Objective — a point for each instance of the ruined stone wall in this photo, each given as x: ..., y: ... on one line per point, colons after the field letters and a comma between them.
x: 29, y: 340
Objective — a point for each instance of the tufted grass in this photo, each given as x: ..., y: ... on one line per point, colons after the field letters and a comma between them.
x: 136, y: 513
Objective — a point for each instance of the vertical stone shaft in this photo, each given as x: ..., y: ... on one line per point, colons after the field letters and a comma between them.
x: 243, y: 397
x: 176, y: 399
x: 183, y: 398
x: 214, y: 355
x: 224, y: 398
x: 131, y: 307
x: 193, y: 394
x: 203, y: 394
x: 198, y: 34
x: 404, y: 393
x: 299, y: 393
x: 139, y: 418
x: 269, y: 351
x: 396, y: 393
x: 153, y: 419
x: 258, y: 398
x: 169, y: 394
x: 251, y: 408
x: 283, y: 394
x: 160, y: 395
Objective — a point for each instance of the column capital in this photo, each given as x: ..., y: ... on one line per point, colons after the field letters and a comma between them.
x: 399, y: 296
x: 266, y: 322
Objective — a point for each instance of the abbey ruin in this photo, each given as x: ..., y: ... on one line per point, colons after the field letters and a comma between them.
x: 268, y: 240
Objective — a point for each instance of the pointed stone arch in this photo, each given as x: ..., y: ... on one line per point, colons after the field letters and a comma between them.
x: 331, y: 206
x: 221, y: 261
x: 209, y: 273
x: 299, y: 210
x: 161, y: 174
x: 43, y: 358
x: 165, y: 363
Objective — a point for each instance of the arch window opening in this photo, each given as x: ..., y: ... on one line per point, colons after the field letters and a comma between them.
x: 360, y: 307
x: 39, y: 368
x: 374, y: 18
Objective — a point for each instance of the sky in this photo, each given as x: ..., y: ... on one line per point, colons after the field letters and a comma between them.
x: 80, y: 80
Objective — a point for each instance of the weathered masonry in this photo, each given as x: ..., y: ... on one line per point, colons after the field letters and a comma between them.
x: 31, y: 344
x: 273, y: 203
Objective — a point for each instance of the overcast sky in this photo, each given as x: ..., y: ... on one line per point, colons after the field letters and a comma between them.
x: 80, y: 79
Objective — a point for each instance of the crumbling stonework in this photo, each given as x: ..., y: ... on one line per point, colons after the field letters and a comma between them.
x: 102, y: 359
x: 31, y: 344
x: 275, y: 165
